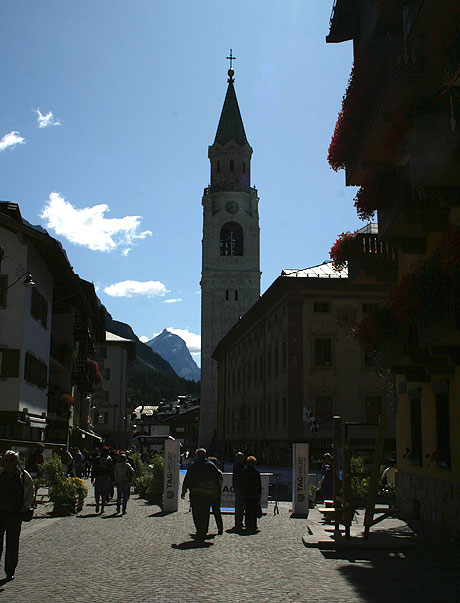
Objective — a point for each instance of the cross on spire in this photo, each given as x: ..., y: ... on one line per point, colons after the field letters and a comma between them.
x: 231, y: 58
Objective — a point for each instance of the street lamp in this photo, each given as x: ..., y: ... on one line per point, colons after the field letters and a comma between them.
x: 28, y: 281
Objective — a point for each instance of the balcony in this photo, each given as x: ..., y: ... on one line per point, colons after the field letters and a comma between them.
x: 373, y: 258
x: 435, y: 145
x: 62, y: 353
x: 402, y: 77
x: 440, y: 326
x: 406, y: 220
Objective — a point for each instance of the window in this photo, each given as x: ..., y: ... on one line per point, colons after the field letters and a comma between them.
x: 35, y: 371
x: 218, y: 167
x: 227, y: 295
x: 232, y: 165
x: 323, y: 411
x: 3, y: 290
x: 275, y: 360
x: 39, y: 307
x: 442, y: 453
x: 373, y: 406
x: 269, y: 415
x: 231, y: 239
x: 103, y: 352
x: 323, y: 352
x: 9, y: 363
x: 107, y: 374
x: 249, y: 418
x: 236, y: 294
x: 415, y: 454
x: 106, y: 396
x: 321, y: 307
x: 244, y: 167
x: 284, y: 411
x: 269, y: 364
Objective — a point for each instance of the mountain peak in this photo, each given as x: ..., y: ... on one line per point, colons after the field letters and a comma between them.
x: 174, y: 350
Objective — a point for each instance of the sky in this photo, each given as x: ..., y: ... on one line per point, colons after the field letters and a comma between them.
x: 106, y: 114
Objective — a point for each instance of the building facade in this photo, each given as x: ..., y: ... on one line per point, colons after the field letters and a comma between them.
x: 398, y: 137
x: 111, y: 411
x: 48, y: 327
x: 230, y: 278
x: 295, y: 352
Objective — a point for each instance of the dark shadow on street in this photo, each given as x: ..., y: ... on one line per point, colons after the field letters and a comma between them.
x: 192, y: 544
x: 159, y: 514
x: 401, y: 574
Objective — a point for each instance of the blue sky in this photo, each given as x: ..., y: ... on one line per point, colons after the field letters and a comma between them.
x: 107, y: 111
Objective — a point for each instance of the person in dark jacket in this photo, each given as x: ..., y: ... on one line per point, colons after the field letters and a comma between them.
x: 252, y: 489
x: 203, y: 482
x: 238, y: 469
x: 101, y: 474
x: 16, y: 496
x: 217, y: 500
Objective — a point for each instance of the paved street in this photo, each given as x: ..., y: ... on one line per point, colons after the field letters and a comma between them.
x: 147, y: 557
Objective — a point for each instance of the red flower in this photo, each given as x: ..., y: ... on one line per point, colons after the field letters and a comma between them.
x: 342, y: 249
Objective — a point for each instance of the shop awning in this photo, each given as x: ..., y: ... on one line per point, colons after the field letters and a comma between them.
x: 90, y: 434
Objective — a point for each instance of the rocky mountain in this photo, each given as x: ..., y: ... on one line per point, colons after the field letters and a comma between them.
x: 143, y: 352
x: 174, y: 350
x: 152, y: 378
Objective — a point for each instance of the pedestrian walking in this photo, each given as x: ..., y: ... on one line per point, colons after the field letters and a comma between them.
x: 202, y: 480
x: 78, y: 464
x: 252, y: 490
x: 326, y: 484
x: 66, y: 459
x: 100, y: 477
x: 238, y: 469
x: 16, y: 496
x: 123, y: 476
x: 215, y: 506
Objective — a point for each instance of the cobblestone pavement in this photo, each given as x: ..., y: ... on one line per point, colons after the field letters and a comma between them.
x: 147, y: 557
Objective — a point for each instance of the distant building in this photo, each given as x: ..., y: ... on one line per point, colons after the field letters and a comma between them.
x: 230, y: 280
x: 111, y: 411
x: 179, y: 419
x: 293, y: 353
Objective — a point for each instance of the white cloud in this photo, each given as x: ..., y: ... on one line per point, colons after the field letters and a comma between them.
x: 89, y: 227
x: 11, y: 140
x: 43, y: 121
x: 172, y: 300
x: 132, y: 288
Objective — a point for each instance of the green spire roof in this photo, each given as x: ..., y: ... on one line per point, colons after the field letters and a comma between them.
x: 230, y: 124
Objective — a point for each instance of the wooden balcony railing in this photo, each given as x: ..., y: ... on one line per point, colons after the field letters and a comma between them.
x: 374, y: 257
x: 439, y: 323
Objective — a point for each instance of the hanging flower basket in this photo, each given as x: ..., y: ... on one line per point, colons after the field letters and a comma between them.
x: 354, y: 113
x: 377, y: 328
x: 94, y: 373
x: 342, y: 249
x: 377, y: 191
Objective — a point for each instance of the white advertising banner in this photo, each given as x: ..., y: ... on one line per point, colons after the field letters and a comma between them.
x: 228, y: 494
x: 300, y: 460
x: 171, y: 479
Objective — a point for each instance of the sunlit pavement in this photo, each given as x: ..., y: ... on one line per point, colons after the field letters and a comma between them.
x: 144, y: 556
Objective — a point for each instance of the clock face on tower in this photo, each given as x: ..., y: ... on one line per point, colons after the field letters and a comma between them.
x: 231, y: 207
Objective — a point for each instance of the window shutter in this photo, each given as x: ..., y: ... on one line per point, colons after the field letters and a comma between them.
x: 10, y: 363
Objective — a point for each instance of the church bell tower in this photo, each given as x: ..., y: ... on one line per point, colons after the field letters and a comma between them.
x: 230, y: 275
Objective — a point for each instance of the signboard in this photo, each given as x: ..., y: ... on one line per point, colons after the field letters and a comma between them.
x: 300, y: 458
x: 228, y: 494
x: 171, y: 479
